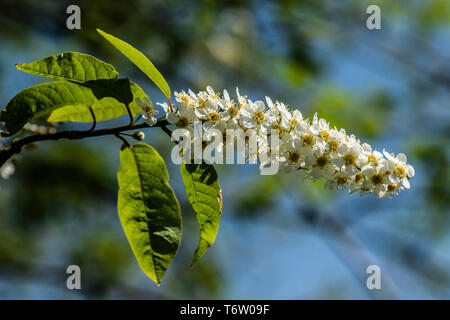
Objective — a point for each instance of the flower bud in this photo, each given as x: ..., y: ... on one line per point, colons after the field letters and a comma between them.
x: 139, y: 135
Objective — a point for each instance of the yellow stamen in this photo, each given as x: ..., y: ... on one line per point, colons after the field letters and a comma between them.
x: 399, y: 171
x: 233, y: 112
x: 214, y: 117
x: 341, y: 180
x: 349, y: 159
x: 307, y: 139
x: 259, y: 117
x: 277, y: 127
x: 333, y: 145
x: 182, y: 122
x: 294, y: 156
x: 322, y: 161
x: 392, y: 187
x: 373, y: 159
x: 358, y: 177
x: 376, y: 178
x: 324, y: 135
x: 293, y: 123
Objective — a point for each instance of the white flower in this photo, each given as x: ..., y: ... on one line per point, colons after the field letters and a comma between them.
x: 340, y: 179
x: 242, y: 100
x: 182, y: 97
x: 399, y: 165
x: 212, y: 95
x: 290, y: 120
x: 181, y: 117
x: 147, y: 110
x: 252, y: 114
x: 377, y: 178
x: 349, y: 159
x: 291, y: 158
x: 230, y: 107
x: 323, y: 166
x: 212, y: 116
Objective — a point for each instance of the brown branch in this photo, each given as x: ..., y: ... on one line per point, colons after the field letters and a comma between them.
x: 130, y: 114
x: 125, y: 142
x: 170, y: 104
x: 94, y: 120
x: 166, y: 130
x: 17, y: 145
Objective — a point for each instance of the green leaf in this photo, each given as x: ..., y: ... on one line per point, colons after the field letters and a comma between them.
x: 105, y: 109
x: 140, y: 60
x: 203, y: 189
x: 73, y: 66
x: 148, y: 209
x: 108, y: 97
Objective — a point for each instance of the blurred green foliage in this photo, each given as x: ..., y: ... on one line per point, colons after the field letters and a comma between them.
x: 343, y: 110
x: 48, y: 180
x: 103, y: 259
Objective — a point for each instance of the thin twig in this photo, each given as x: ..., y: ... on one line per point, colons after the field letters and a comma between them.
x: 170, y: 104
x: 94, y: 121
x: 123, y: 140
x: 138, y: 118
x: 130, y: 114
x: 167, y: 130
x: 17, y: 145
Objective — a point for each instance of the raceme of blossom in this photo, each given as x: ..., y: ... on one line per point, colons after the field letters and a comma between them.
x: 310, y: 145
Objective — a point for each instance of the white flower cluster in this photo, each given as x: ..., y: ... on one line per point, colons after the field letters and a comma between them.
x: 308, y: 145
